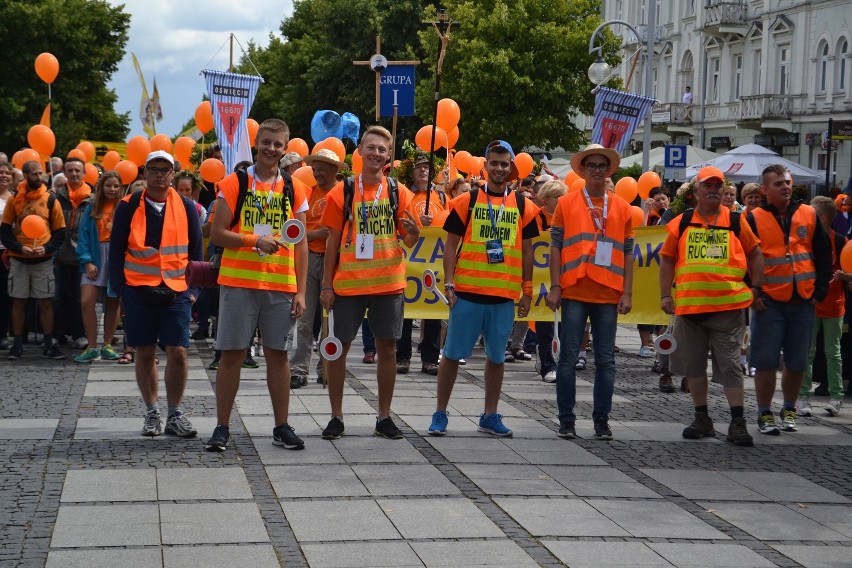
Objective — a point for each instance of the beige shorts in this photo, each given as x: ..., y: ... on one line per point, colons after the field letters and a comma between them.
x: 721, y: 333
x: 31, y: 280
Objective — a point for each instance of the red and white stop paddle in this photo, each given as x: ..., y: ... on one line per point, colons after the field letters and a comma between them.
x: 292, y: 231
x: 666, y: 343
x: 555, y: 346
x: 330, y: 347
x: 430, y: 283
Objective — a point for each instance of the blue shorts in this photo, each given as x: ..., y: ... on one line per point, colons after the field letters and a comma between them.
x: 782, y: 325
x: 147, y: 325
x: 469, y: 320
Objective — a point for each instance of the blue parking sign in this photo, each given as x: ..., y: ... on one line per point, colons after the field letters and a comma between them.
x: 675, y: 156
x: 396, y: 87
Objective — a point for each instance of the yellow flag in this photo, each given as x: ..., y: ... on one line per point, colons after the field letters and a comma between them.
x: 145, y: 114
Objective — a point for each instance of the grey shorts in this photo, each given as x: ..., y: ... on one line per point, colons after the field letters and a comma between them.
x: 721, y: 332
x: 31, y: 280
x: 241, y: 310
x: 385, y: 314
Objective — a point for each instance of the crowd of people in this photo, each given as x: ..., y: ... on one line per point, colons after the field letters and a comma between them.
x: 770, y: 264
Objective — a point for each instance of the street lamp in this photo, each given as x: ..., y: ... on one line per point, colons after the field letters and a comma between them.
x: 600, y: 71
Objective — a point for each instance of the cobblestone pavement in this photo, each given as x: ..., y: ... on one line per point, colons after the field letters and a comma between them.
x: 80, y: 487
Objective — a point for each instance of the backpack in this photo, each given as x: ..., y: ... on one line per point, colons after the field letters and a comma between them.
x: 686, y: 221
x: 349, y: 196
x: 474, y: 196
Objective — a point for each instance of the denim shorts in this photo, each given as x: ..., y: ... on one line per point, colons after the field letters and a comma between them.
x: 469, y: 320
x: 781, y: 326
x: 148, y: 325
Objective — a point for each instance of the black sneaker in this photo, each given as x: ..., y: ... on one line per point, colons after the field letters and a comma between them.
x: 284, y: 435
x: 738, y: 433
x: 53, y: 352
x: 219, y: 440
x: 15, y: 352
x: 297, y: 382
x: 387, y: 429
x: 567, y: 431
x: 602, y: 431
x: 250, y: 363
x: 701, y: 427
x: 334, y: 430
x: 200, y: 334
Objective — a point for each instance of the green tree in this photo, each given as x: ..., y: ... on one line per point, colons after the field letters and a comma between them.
x: 88, y: 39
x: 518, y: 70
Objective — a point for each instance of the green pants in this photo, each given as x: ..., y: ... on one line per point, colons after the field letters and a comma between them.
x: 832, y: 329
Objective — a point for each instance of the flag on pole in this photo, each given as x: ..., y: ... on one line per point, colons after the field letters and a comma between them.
x: 617, y: 114
x: 145, y: 114
x: 157, y: 110
x: 231, y: 97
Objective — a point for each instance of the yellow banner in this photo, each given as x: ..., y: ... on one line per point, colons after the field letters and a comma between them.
x: 428, y: 253
x: 102, y: 148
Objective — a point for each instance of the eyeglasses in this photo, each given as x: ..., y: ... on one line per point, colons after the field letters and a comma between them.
x: 596, y: 167
x: 158, y: 171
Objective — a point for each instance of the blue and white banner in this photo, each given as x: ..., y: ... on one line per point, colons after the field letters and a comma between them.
x: 231, y: 97
x: 617, y: 114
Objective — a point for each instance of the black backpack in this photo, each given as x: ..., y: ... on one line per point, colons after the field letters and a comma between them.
x: 686, y: 221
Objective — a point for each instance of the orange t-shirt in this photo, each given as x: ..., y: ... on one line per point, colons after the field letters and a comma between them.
x: 436, y: 206
x: 313, y: 216
x: 834, y: 304
x: 587, y: 289
x: 18, y: 207
x: 104, y: 224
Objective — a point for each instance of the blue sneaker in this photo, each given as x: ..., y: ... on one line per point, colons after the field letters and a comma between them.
x: 439, y: 423
x: 493, y: 424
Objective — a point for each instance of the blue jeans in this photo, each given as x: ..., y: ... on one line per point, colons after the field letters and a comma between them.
x: 604, y: 319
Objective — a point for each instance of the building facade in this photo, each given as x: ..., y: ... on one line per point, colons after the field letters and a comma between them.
x: 770, y: 72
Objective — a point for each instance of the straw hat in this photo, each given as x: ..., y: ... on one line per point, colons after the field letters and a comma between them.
x: 327, y: 156
x: 592, y: 149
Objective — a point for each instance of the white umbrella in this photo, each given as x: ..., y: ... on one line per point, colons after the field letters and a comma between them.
x: 746, y: 163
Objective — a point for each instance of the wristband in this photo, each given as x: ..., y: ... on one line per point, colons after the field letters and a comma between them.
x: 526, y: 288
x: 664, y: 297
x: 247, y: 240
x: 324, y: 288
x: 449, y: 286
x: 556, y: 286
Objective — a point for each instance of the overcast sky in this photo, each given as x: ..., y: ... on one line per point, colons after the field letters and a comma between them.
x: 175, y: 39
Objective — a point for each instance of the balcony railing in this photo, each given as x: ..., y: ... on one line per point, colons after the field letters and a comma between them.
x: 724, y: 14
x: 760, y: 107
x: 682, y: 113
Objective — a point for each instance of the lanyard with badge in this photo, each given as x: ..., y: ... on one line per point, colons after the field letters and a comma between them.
x: 603, y: 249
x: 494, y: 247
x: 365, y: 242
x: 261, y: 229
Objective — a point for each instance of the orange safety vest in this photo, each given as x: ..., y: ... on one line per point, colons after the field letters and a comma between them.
x: 474, y: 274
x: 580, y: 238
x: 788, y: 259
x: 147, y: 266
x: 385, y: 272
x: 710, y: 268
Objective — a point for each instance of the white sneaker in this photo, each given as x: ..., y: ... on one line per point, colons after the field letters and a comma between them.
x: 803, y: 406
x: 81, y: 343
x: 259, y: 351
x: 549, y: 377
x: 833, y: 407
x: 646, y: 351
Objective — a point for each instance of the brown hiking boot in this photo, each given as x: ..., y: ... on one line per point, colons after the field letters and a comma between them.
x: 666, y: 384
x: 738, y: 433
x: 701, y: 427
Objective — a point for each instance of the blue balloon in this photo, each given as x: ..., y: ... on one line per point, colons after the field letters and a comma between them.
x: 351, y: 126
x: 326, y: 124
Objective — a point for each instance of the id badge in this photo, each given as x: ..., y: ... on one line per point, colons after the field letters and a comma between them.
x: 603, y: 253
x: 364, y: 246
x: 262, y: 229
x: 714, y: 252
x: 494, y: 250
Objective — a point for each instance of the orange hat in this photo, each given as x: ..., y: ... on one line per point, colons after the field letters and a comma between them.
x: 710, y: 172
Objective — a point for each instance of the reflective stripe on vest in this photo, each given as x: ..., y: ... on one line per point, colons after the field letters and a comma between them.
x: 474, y: 274
x: 704, y: 282
x: 147, y: 266
x: 788, y: 268
x: 580, y: 238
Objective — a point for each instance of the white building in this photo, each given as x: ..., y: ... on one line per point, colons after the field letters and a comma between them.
x: 770, y: 72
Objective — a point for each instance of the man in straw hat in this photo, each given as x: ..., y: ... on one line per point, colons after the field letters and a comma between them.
x: 325, y: 166
x: 591, y: 277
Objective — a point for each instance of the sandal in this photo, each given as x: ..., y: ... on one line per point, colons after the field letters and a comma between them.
x: 127, y: 358
x: 581, y: 363
x: 521, y: 355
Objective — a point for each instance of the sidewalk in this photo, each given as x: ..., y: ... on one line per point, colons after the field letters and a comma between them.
x: 80, y: 487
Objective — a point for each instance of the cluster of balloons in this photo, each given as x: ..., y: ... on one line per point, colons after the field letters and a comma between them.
x: 446, y: 128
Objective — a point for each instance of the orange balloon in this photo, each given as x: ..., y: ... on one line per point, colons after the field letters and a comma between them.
x: 110, y: 159
x: 525, y: 163
x: 212, y: 170
x: 204, y: 117
x: 453, y: 137
x: 252, y: 126
x: 47, y: 67
x: 627, y: 188
x: 88, y: 149
x: 638, y: 216
x: 571, y: 177
x: 577, y: 185
x: 846, y: 257
x: 183, y: 146
x: 480, y: 166
x: 34, y: 226
x: 423, y: 138
x: 647, y: 182
x: 305, y: 174
x: 137, y: 150
x: 161, y: 142
x: 16, y: 158
x: 77, y: 153
x: 463, y: 161
x: 448, y: 114
x: 299, y: 146
x: 357, y: 161
x: 24, y: 156
x: 127, y: 171
x: 92, y: 174
x: 333, y: 144
x: 41, y: 139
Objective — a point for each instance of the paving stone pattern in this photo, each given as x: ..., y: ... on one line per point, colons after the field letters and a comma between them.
x: 80, y: 487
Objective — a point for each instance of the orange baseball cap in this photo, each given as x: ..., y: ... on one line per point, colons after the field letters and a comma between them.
x: 710, y: 172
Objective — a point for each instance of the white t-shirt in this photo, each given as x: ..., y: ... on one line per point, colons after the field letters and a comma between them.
x: 687, y: 98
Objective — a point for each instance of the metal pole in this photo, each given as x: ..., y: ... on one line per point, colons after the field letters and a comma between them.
x: 703, y: 92
x: 651, y: 32
x: 826, y: 191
